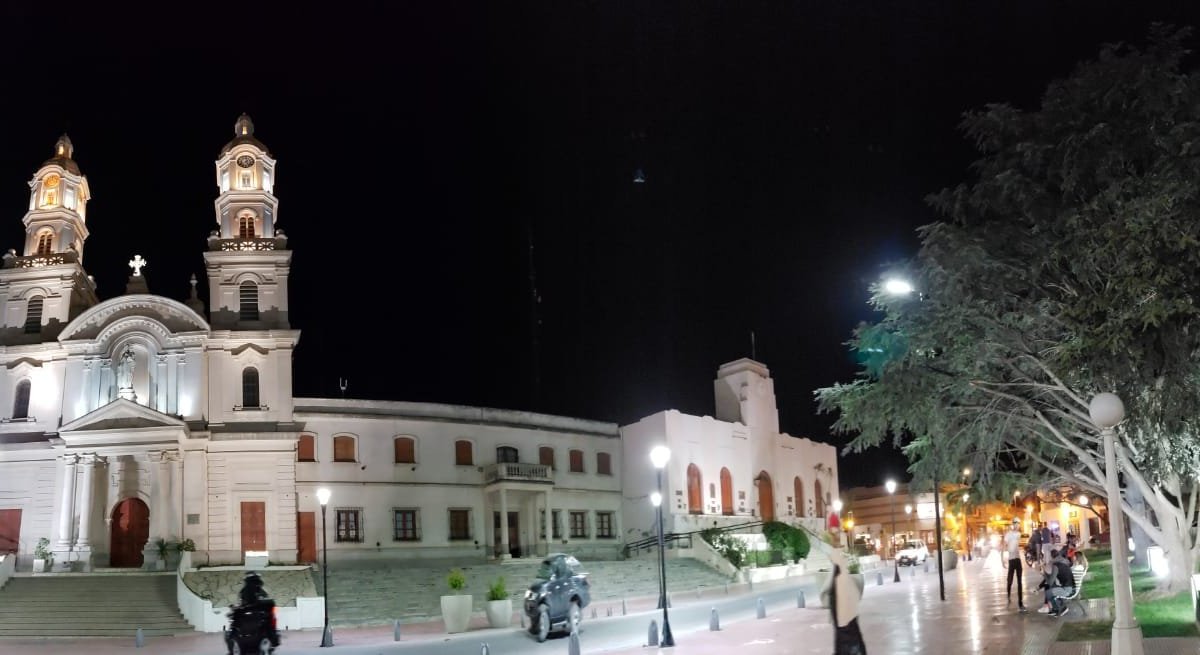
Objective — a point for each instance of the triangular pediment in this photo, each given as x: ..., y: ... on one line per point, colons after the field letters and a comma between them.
x: 122, y: 414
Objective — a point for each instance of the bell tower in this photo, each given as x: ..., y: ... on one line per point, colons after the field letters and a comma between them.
x: 46, y: 286
x: 247, y: 258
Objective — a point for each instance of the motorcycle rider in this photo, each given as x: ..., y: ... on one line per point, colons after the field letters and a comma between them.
x: 254, y: 605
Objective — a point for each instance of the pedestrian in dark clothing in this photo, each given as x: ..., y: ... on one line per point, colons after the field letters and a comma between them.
x: 1059, y: 582
x: 841, y: 596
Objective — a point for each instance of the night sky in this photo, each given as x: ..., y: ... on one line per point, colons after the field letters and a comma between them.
x: 786, y: 149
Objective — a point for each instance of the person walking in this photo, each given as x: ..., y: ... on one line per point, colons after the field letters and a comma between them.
x: 841, y: 596
x: 1046, y: 539
x: 1012, y: 546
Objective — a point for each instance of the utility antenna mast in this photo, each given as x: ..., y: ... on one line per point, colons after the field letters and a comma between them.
x: 343, y: 383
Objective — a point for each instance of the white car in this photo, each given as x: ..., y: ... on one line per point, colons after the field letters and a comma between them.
x: 913, y: 553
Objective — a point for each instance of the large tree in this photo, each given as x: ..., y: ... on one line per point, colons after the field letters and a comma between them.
x: 1069, y: 265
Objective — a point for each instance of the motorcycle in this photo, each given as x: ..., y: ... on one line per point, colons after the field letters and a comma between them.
x: 252, y: 629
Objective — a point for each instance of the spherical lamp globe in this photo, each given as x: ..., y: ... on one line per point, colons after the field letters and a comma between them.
x: 660, y: 455
x: 1106, y: 410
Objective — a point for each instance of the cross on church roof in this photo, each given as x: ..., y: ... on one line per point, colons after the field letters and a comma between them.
x: 136, y: 264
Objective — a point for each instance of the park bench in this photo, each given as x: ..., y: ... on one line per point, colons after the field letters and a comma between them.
x: 1078, y: 573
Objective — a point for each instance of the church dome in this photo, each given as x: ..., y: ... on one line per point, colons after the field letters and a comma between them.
x: 243, y: 132
x: 63, y: 149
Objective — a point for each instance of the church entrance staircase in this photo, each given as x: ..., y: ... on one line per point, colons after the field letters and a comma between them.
x: 90, y: 605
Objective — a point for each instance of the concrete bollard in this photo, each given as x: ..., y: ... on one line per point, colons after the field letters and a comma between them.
x: 522, y: 619
x: 573, y: 643
x: 483, y: 649
x: 139, y: 639
x: 800, y: 599
x: 927, y: 565
x: 623, y: 612
x: 593, y: 611
x: 912, y: 572
x: 396, y: 630
x: 879, y: 578
x: 610, y: 610
x: 714, y: 621
x: 762, y: 609
x: 750, y: 581
x: 652, y: 634
x: 726, y: 588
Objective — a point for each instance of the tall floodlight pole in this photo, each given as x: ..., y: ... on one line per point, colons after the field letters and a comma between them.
x: 1106, y: 411
x: 891, y: 489
x: 659, y: 456
x: 323, y: 495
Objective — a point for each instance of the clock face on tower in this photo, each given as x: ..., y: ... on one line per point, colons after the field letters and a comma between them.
x: 245, y: 161
x: 51, y: 181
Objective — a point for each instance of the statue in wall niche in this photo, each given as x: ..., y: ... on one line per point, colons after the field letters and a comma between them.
x: 125, y: 376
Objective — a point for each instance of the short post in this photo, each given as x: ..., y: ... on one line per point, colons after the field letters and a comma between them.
x: 652, y: 634
x: 573, y: 643
x: 522, y: 618
x: 593, y: 611
x: 483, y: 649
x: 697, y: 592
x: 800, y: 599
x: 623, y: 612
x: 139, y: 639
x: 610, y: 610
x: 714, y: 621
x: 927, y: 565
x: 879, y: 578
x: 396, y: 630
x: 762, y: 609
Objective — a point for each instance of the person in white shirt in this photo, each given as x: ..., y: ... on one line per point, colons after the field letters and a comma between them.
x: 1012, y: 546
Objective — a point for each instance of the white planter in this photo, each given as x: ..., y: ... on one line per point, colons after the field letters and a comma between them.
x: 185, y: 560
x: 39, y: 566
x: 499, y: 613
x: 456, y: 612
x: 161, y: 564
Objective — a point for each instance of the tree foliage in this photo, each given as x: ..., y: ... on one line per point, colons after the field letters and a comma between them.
x: 1068, y: 266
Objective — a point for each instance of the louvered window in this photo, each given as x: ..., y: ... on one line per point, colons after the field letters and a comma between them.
x: 21, y: 402
x: 250, y: 387
x: 248, y: 297
x: 33, y: 316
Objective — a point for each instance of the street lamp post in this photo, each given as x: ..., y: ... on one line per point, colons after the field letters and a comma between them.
x: 966, y: 521
x: 659, y: 456
x: 323, y: 495
x: 1106, y: 411
x: 891, y: 489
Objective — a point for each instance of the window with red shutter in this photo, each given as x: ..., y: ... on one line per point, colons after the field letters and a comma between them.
x: 306, y: 450
x: 343, y: 449
x: 603, y: 464
x: 577, y: 461
x: 406, y: 450
x: 462, y: 453
x: 546, y: 456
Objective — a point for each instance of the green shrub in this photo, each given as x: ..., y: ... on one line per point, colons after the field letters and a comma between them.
x: 783, y: 537
x: 497, y: 590
x: 854, y: 566
x: 186, y: 546
x: 42, y: 551
x: 457, y: 580
x: 733, y: 550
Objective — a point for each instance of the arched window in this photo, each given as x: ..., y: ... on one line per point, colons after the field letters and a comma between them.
x: 603, y: 464
x: 250, y: 387
x: 21, y: 402
x: 246, y: 226
x: 33, y: 316
x: 576, y: 461
x: 546, y: 456
x: 506, y: 455
x: 766, y: 496
x: 45, y: 243
x: 820, y: 506
x: 695, y: 490
x: 462, y: 453
x: 248, y: 297
x: 406, y: 450
x: 343, y: 449
x: 726, y: 492
x: 798, y: 489
x: 306, y: 448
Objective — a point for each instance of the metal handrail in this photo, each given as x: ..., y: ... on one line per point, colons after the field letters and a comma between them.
x: 672, y: 537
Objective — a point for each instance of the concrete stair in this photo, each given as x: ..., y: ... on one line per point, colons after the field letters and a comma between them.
x: 80, y: 605
x: 378, y: 595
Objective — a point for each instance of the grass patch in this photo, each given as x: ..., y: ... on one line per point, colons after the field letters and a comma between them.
x: 1158, y: 616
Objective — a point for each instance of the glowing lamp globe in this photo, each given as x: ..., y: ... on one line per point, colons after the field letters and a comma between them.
x: 890, y: 485
x: 897, y: 287
x: 1083, y: 500
x: 656, y: 499
x: 1106, y: 410
x: 660, y: 455
x: 837, y: 505
x: 323, y: 495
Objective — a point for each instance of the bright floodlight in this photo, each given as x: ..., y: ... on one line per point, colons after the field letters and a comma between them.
x: 967, y: 471
x: 966, y: 497
x: 890, y: 485
x: 1106, y: 410
x: 660, y: 455
x: 1083, y: 499
x: 908, y: 509
x: 656, y: 499
x: 323, y: 495
x: 897, y: 287
x: 837, y: 505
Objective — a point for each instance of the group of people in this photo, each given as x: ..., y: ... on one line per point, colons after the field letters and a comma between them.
x: 1056, y: 562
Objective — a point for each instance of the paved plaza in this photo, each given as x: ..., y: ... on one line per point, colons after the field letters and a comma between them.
x: 904, y: 618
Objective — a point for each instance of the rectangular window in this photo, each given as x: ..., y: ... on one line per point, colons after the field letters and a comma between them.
x: 405, y: 526
x: 603, y: 464
x: 246, y: 180
x: 604, y: 525
x: 343, y: 449
x: 546, y: 456
x: 578, y: 525
x: 460, y: 524
x: 555, y: 530
x: 349, y: 525
x: 306, y: 449
x: 224, y: 181
x: 576, y: 461
x: 69, y: 198
x: 406, y: 452
x: 462, y: 453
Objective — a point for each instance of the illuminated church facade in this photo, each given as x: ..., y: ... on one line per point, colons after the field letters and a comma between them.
x: 140, y: 417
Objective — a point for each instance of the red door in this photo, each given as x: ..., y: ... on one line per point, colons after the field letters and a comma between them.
x: 306, y: 524
x: 130, y: 532
x: 254, y: 526
x: 766, y: 497
x: 10, y: 530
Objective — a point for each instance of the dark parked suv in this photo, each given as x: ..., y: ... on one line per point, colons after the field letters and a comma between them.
x: 557, y: 598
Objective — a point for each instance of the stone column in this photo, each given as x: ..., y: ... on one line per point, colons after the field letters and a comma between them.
x: 66, y: 515
x: 549, y: 524
x: 158, y: 508
x: 504, y: 547
x: 159, y: 392
x: 83, y: 545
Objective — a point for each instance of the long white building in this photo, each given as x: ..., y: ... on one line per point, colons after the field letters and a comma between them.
x: 141, y: 417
